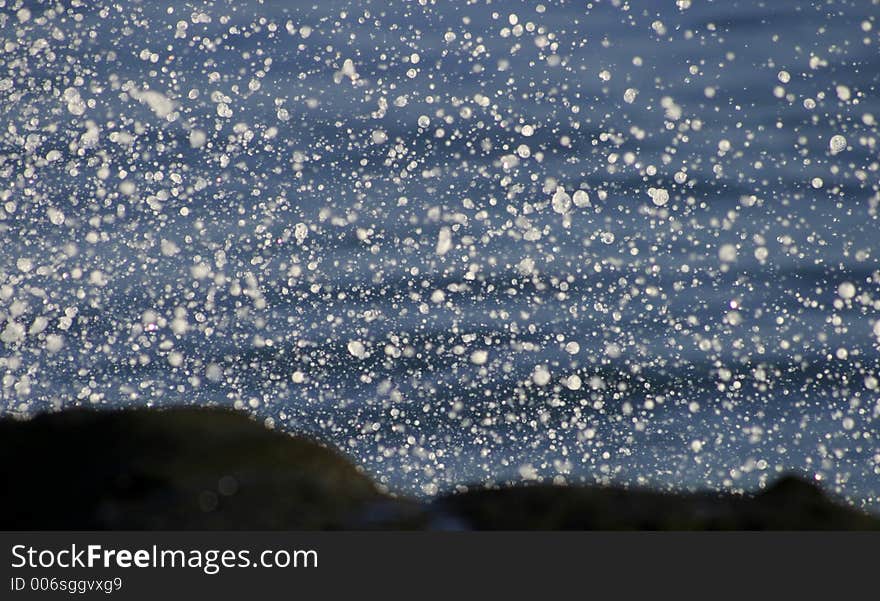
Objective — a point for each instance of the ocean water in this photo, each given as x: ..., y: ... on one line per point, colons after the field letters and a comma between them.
x: 464, y: 242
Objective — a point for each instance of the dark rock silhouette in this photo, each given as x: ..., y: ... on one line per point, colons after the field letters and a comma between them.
x: 789, y: 504
x: 215, y: 469
x: 174, y: 469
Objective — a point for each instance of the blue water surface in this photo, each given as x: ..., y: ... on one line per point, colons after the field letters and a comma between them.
x: 464, y: 242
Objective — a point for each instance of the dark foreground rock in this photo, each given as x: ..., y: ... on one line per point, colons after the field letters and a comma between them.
x: 174, y: 469
x: 790, y: 504
x: 213, y: 469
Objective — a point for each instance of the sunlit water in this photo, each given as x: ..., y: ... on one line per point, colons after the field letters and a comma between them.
x: 578, y: 241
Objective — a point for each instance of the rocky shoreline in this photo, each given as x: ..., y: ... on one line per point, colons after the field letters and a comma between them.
x: 211, y: 469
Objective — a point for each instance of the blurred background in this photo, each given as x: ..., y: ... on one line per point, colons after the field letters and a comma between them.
x: 585, y: 242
